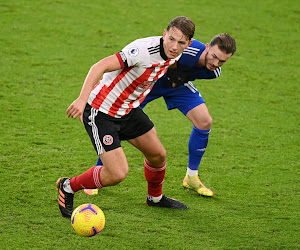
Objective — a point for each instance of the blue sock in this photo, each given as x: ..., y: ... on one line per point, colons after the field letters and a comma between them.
x: 99, y: 162
x: 197, y: 145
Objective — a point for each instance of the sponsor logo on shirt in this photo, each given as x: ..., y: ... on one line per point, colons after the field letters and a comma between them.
x: 145, y: 85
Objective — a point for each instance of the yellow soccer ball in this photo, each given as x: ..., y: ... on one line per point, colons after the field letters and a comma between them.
x: 88, y: 220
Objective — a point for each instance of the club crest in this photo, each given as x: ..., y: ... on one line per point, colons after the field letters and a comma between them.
x: 108, y: 140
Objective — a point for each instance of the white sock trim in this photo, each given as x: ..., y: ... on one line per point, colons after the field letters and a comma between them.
x: 155, y: 199
x: 191, y: 172
x: 67, y: 186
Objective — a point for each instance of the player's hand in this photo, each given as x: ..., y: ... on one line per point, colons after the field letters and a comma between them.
x: 76, y: 109
x: 178, y: 76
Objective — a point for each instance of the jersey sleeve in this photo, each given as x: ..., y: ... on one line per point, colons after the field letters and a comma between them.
x: 132, y: 55
x: 190, y: 56
x: 189, y: 61
x: 204, y: 73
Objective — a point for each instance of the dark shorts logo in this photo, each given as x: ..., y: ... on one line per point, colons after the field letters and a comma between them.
x: 108, y: 140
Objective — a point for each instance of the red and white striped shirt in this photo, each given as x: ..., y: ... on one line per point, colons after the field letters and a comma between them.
x: 143, y: 62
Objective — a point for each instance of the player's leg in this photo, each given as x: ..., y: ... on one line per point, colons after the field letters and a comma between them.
x: 113, y: 171
x: 99, y: 162
x: 189, y: 101
x: 106, y: 144
x: 198, y: 141
x: 154, y: 94
x: 155, y: 161
x: 202, y: 121
x: 154, y: 169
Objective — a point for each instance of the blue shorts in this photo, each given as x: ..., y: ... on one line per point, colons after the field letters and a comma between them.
x: 184, y: 97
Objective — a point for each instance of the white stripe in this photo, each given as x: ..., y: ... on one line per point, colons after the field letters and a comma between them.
x: 97, y: 140
x: 138, y: 93
x: 189, y: 53
x: 191, y: 87
x: 192, y: 48
x: 152, y: 169
x: 95, y: 176
x: 217, y: 72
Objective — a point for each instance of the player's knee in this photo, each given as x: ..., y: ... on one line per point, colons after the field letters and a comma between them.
x: 159, y: 158
x: 205, y: 123
x: 118, y: 176
x: 162, y: 156
x: 208, y: 121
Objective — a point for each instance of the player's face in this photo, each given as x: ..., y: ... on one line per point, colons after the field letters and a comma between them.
x: 174, y: 42
x: 215, y: 57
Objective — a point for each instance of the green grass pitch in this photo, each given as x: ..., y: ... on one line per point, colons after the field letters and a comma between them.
x: 252, y: 160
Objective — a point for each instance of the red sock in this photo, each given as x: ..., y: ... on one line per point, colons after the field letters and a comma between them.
x: 89, y: 179
x: 155, y: 178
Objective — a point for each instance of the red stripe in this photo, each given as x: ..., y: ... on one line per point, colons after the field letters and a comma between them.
x: 140, y: 101
x: 100, y: 97
x: 105, y: 90
x: 128, y: 91
x: 161, y: 69
x: 120, y: 61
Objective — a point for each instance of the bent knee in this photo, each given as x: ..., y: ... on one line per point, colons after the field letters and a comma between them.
x: 158, y: 159
x: 118, y: 176
x: 121, y: 175
x: 208, y: 121
x: 161, y: 157
x: 204, y: 122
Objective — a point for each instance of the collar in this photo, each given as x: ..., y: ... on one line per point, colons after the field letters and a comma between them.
x: 161, y: 49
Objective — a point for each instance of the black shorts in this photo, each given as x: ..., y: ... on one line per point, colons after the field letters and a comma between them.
x: 107, y: 132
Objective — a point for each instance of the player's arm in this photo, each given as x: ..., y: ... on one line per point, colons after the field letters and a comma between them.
x: 107, y: 64
x: 178, y: 76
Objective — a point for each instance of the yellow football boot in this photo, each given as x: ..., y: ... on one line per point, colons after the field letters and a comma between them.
x: 91, y: 191
x: 194, y: 183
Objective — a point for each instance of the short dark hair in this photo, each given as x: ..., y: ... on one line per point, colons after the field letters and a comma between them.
x: 225, y: 42
x: 184, y: 24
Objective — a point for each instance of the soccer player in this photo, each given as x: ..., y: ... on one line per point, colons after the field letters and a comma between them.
x: 198, y: 61
x: 110, y: 112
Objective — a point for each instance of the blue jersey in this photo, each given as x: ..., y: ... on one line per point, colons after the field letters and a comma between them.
x: 190, y: 58
x: 184, y: 97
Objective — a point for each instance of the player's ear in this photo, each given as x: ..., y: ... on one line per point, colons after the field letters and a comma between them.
x: 207, y: 46
x: 164, y: 35
x: 190, y: 42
